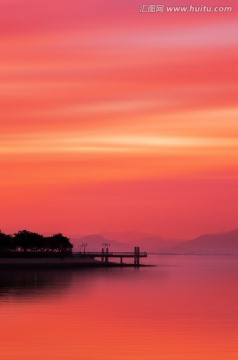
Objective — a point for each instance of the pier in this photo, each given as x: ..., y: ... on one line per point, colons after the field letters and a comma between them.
x: 105, y: 255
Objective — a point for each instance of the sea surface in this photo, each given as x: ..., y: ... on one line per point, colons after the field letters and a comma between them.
x: 184, y: 308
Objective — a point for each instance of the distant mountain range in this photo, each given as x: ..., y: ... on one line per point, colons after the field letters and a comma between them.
x: 146, y: 241
x: 220, y: 243
x: 95, y: 242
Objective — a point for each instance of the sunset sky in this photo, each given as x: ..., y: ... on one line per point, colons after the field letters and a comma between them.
x: 116, y: 120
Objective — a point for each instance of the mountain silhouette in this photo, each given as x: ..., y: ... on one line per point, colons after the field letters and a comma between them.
x: 217, y: 243
x: 220, y: 243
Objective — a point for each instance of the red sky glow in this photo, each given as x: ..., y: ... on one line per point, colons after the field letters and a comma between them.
x: 117, y: 120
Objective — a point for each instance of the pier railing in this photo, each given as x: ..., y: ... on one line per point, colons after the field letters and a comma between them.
x: 105, y: 255
x: 111, y: 254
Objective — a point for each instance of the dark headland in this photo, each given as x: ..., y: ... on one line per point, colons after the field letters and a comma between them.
x: 27, y: 249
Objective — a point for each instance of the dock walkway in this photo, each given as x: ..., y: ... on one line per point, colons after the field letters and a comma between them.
x: 105, y: 255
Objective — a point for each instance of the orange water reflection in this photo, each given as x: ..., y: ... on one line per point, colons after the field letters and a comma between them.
x: 186, y: 308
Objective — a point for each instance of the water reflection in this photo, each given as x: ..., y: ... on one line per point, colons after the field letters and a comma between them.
x: 31, y: 283
x: 49, y: 282
x: 184, y: 309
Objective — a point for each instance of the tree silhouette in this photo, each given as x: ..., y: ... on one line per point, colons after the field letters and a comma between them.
x: 6, y: 243
x: 26, y: 240
x: 58, y: 242
x: 31, y: 243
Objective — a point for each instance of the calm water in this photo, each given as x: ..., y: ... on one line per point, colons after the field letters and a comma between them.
x: 185, y: 308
